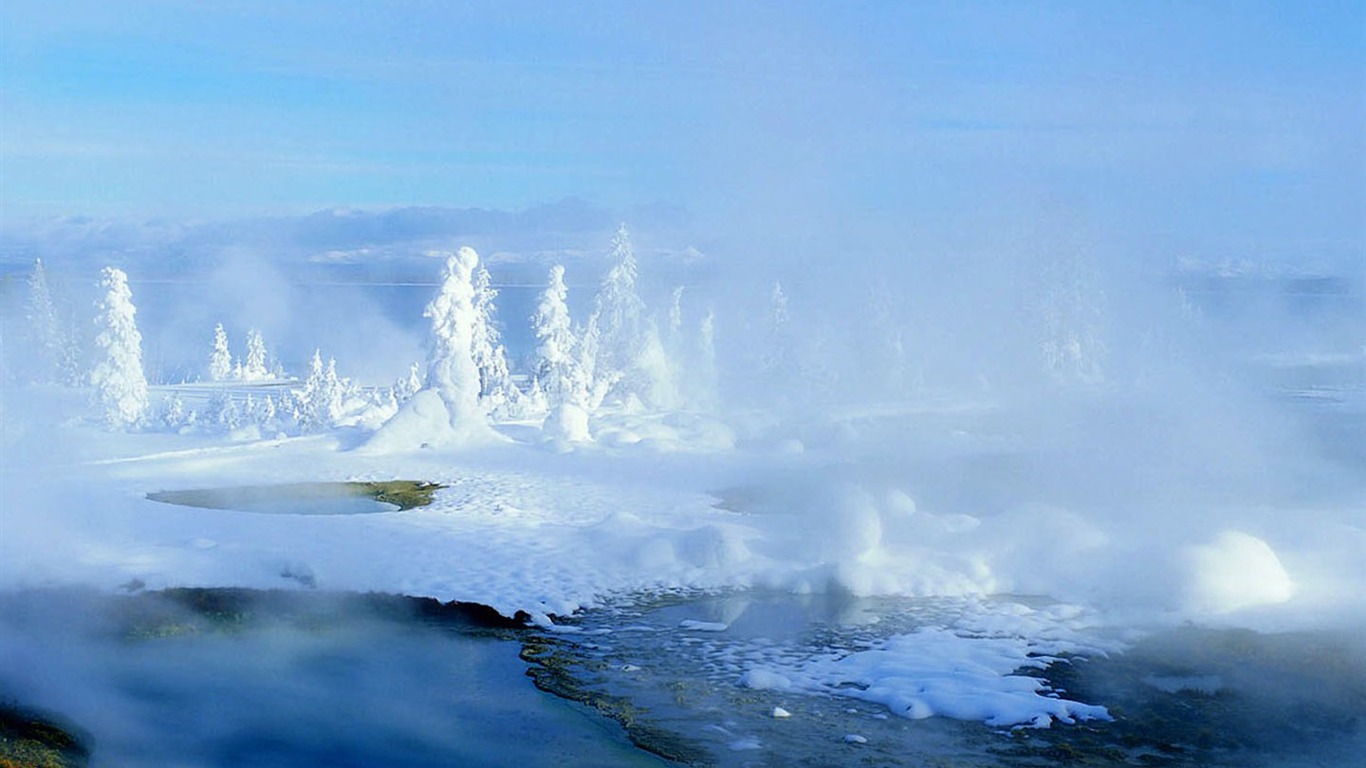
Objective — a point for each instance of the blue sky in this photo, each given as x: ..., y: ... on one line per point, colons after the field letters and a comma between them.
x: 1202, y: 125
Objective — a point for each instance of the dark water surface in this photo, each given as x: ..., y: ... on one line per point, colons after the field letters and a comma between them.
x: 230, y: 678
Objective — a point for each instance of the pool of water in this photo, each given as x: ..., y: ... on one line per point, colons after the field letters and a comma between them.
x: 341, y: 498
x: 1176, y: 697
x: 318, y: 680
x: 237, y: 677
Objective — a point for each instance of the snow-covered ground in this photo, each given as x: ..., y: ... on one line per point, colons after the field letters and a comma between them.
x: 1169, y: 496
x: 685, y: 502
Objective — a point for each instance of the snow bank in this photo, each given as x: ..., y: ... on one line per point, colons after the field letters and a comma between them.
x: 425, y: 422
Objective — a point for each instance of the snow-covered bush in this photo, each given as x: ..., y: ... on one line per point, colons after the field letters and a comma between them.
x: 117, y: 377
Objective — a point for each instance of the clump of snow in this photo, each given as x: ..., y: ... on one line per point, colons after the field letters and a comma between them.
x: 422, y: 422
x: 966, y: 671
x: 1235, y: 571
x: 703, y: 626
x: 765, y: 680
x: 566, y: 424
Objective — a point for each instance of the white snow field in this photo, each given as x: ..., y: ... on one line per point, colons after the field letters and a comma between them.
x: 1060, y: 515
x: 684, y: 503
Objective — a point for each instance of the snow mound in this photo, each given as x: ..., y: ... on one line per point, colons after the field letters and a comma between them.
x: 1234, y: 572
x: 424, y: 422
x: 566, y: 424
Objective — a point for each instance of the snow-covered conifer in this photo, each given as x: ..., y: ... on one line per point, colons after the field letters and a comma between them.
x: 556, y: 371
x: 120, y: 386
x: 55, y: 358
x: 255, y: 367
x: 1070, y: 311
x: 222, y: 412
x: 497, y: 391
x: 451, y: 370
x: 409, y: 385
x: 172, y: 412
x: 447, y: 411
x: 621, y: 352
x: 220, y: 361
x: 309, y: 403
x: 334, y: 392
x: 263, y: 413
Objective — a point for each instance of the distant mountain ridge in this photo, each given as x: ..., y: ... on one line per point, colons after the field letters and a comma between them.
x: 349, y: 243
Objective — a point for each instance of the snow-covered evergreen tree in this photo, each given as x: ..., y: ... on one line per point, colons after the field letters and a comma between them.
x: 497, y: 392
x: 333, y: 395
x: 409, y: 385
x: 557, y: 372
x: 310, y: 403
x: 220, y: 361
x: 621, y: 352
x: 447, y: 410
x: 55, y: 358
x: 222, y: 413
x: 1070, y: 312
x: 255, y: 367
x: 117, y: 377
x: 172, y: 414
x: 451, y: 370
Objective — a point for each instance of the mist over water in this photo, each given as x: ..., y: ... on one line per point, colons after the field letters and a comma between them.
x: 285, y: 681
x: 955, y: 301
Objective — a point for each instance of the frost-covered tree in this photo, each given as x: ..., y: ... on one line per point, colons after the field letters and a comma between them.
x: 117, y: 377
x: 53, y: 345
x: 497, y: 392
x: 447, y: 411
x: 312, y: 404
x: 220, y: 360
x: 1069, y: 306
x: 409, y: 385
x: 451, y: 370
x: 557, y: 372
x: 172, y: 413
x: 621, y: 353
x: 255, y: 367
x: 222, y: 412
